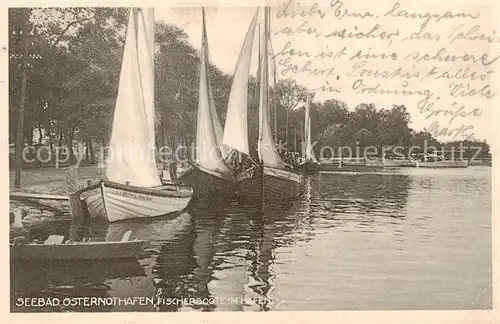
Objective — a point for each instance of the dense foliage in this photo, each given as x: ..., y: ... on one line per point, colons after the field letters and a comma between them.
x: 74, y: 61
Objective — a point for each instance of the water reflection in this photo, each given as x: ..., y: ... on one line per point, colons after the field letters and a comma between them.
x: 231, y: 253
x: 368, y: 202
x: 169, y: 262
x: 63, y: 279
x: 345, y: 232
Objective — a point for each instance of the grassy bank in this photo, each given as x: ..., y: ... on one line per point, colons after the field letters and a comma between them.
x: 51, y: 180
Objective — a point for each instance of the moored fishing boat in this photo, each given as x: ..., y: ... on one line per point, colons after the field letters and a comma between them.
x: 209, y: 175
x: 278, y: 185
x: 133, y: 187
x: 270, y: 179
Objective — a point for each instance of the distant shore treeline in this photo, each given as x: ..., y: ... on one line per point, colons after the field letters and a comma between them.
x: 74, y: 67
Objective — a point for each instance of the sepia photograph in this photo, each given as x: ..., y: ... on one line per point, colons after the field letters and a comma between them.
x: 288, y: 156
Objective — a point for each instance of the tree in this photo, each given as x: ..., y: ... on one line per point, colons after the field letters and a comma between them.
x: 176, y: 75
x: 422, y: 141
x: 393, y: 128
x: 332, y: 112
x: 177, y: 69
x: 287, y: 95
x: 73, y: 79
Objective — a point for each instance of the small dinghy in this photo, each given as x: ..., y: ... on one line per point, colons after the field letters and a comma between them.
x: 55, y: 249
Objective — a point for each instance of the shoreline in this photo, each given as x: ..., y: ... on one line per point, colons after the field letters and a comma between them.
x: 50, y: 180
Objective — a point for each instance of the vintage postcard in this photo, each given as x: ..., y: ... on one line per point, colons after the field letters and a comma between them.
x: 238, y: 158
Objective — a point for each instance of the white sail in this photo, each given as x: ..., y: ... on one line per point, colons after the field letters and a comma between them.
x: 266, y: 146
x: 131, y: 157
x: 209, y: 130
x: 236, y: 127
x: 308, y: 151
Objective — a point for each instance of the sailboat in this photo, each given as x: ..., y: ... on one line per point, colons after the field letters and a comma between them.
x: 133, y: 188
x: 310, y: 163
x: 269, y: 179
x: 209, y: 174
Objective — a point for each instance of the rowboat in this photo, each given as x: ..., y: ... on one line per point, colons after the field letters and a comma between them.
x: 113, y: 201
x: 133, y: 187
x: 54, y: 249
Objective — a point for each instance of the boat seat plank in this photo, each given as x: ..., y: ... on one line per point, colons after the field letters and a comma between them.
x: 55, y: 239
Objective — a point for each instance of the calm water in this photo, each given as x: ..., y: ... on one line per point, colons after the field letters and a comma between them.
x: 408, y: 239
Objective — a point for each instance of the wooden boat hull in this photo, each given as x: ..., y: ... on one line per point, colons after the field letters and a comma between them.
x: 280, y: 186
x: 114, y: 202
x: 78, y: 251
x: 310, y: 166
x: 442, y: 164
x: 209, y: 186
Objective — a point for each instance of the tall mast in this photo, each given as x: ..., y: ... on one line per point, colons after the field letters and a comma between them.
x: 264, y: 84
x: 274, y: 104
x: 264, y: 101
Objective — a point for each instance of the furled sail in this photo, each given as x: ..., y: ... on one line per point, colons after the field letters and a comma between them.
x: 209, y: 154
x: 131, y: 157
x: 308, y: 150
x: 236, y: 127
x: 266, y: 146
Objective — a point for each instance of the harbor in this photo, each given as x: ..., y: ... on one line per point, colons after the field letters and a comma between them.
x: 338, y: 217
x: 162, y: 183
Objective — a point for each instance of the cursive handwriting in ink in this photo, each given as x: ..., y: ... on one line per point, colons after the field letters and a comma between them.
x: 472, y: 34
x: 422, y: 35
x: 330, y: 54
x: 361, y: 87
x: 341, y: 12
x: 465, y: 90
x: 366, y: 55
x: 442, y: 56
x: 374, y: 33
x: 302, y: 29
x: 288, y: 50
x: 358, y: 70
x: 454, y: 112
x: 442, y: 82
x: 456, y: 73
x: 292, y: 9
x: 287, y: 66
x: 396, y: 12
x: 328, y: 88
x: 436, y: 130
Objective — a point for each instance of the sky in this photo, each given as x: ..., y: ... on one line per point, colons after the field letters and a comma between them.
x: 227, y: 26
